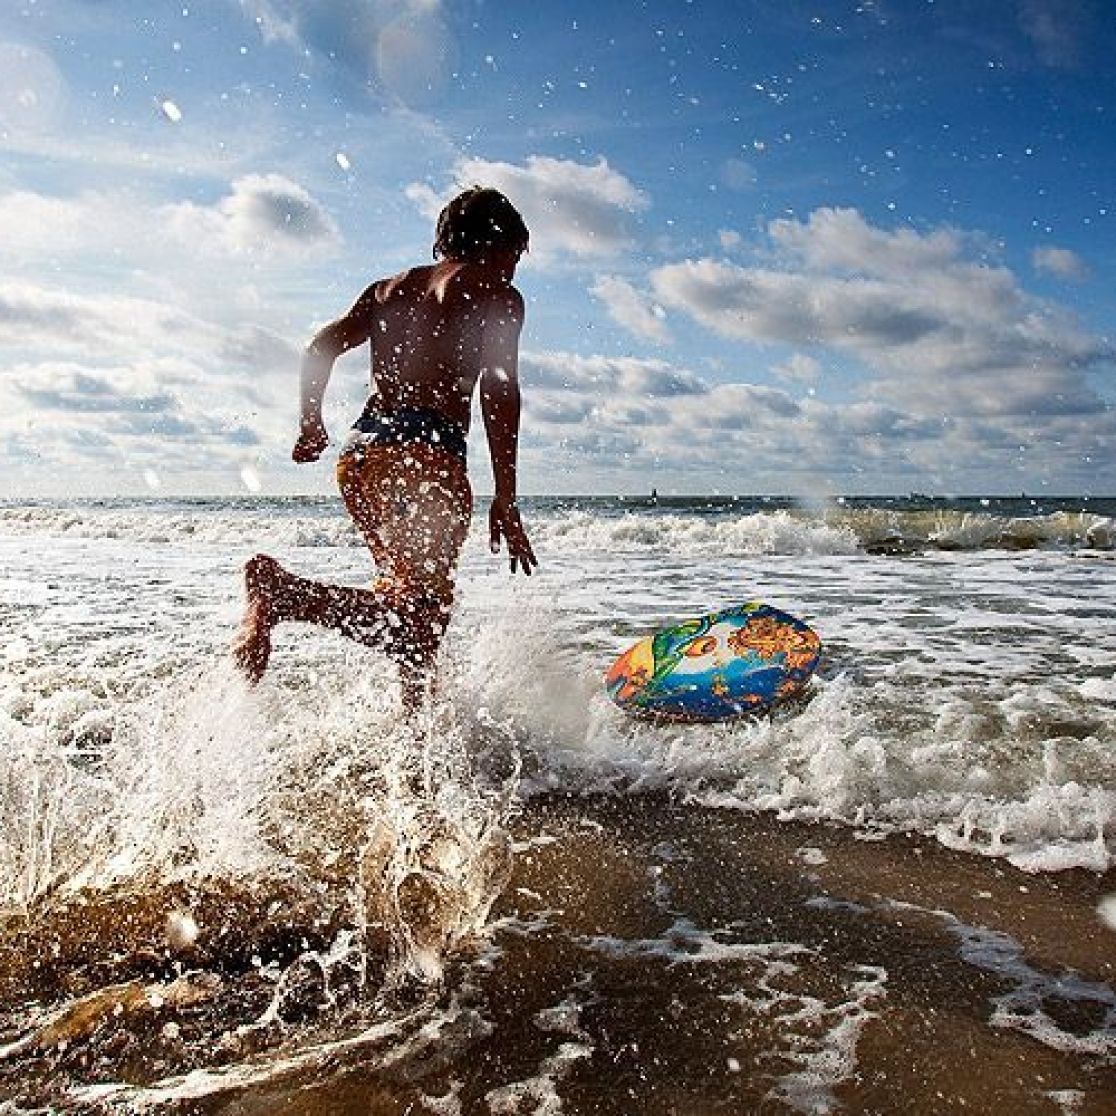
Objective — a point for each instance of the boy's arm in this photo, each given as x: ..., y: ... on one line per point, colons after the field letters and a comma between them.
x: 317, y: 364
x: 500, y: 407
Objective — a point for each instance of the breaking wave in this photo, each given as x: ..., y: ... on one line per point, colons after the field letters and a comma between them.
x: 832, y: 530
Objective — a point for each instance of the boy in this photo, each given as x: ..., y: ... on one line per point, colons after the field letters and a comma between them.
x: 436, y: 331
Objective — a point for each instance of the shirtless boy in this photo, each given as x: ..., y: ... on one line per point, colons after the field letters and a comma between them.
x: 436, y: 332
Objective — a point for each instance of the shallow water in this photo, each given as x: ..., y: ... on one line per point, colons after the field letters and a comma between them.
x: 284, y: 891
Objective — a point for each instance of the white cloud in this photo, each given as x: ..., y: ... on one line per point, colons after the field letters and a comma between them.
x: 627, y: 416
x: 798, y: 368
x: 38, y: 227
x: 739, y: 406
x: 92, y: 417
x: 45, y: 319
x: 97, y: 381
x: 937, y: 331
x: 40, y: 321
x: 631, y: 309
x: 581, y: 209
x: 1061, y: 262
x: 75, y: 388
x: 262, y: 212
x: 276, y: 21
x: 842, y: 240
x: 609, y: 377
x: 588, y: 418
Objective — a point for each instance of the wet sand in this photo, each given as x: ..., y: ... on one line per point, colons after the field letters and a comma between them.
x: 647, y: 957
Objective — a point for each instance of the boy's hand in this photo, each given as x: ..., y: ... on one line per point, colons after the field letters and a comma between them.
x: 312, y: 440
x: 503, y: 521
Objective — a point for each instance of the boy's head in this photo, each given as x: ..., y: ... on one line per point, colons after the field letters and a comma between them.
x: 476, y: 222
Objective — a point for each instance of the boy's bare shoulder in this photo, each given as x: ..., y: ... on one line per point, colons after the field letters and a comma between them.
x: 460, y: 284
x: 401, y: 283
x: 495, y: 295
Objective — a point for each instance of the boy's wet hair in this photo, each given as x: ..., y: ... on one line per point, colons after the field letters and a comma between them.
x: 476, y: 220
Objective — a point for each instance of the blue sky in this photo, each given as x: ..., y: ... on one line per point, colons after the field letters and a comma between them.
x: 805, y: 248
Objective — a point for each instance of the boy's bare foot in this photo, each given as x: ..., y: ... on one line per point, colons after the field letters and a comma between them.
x: 251, y: 648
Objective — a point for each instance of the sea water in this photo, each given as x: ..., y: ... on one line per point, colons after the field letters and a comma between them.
x: 350, y: 861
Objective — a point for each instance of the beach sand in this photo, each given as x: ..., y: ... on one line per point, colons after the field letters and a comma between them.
x: 638, y: 932
x: 653, y: 957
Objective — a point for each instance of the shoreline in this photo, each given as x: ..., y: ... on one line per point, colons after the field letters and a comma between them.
x: 662, y: 958
x: 738, y: 963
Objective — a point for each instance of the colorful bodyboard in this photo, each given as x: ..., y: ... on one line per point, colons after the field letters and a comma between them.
x: 726, y: 664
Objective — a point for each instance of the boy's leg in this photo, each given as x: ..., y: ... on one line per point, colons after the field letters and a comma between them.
x: 417, y: 502
x: 275, y: 595
x: 412, y: 504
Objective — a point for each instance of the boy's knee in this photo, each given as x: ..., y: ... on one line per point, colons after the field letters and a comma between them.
x: 417, y: 617
x: 409, y: 598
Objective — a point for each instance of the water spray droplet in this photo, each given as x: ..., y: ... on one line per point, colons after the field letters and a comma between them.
x: 250, y: 479
x: 171, y: 111
x: 181, y: 930
x: 1106, y: 909
x: 343, y: 161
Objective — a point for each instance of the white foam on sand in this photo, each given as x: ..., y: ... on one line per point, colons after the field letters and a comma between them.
x: 1023, y: 1007
x: 1068, y: 1101
x: 540, y: 1093
x: 385, y: 1044
x: 817, y: 1039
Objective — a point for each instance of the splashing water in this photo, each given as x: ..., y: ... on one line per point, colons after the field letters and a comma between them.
x: 245, y: 876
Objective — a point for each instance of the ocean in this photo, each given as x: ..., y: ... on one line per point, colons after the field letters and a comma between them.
x: 896, y: 894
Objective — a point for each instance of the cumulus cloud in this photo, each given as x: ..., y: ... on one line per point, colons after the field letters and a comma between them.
x: 36, y: 224
x: 842, y: 240
x: 266, y: 212
x: 798, y: 368
x: 1061, y: 262
x: 628, y: 416
x: 938, y: 331
x: 586, y: 418
x: 69, y: 387
x: 739, y: 406
x: 609, y: 376
x: 86, y: 416
x: 631, y: 309
x: 38, y: 317
x: 100, y: 380
x: 585, y: 210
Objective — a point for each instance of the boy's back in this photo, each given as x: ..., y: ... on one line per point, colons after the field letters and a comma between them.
x: 434, y: 330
